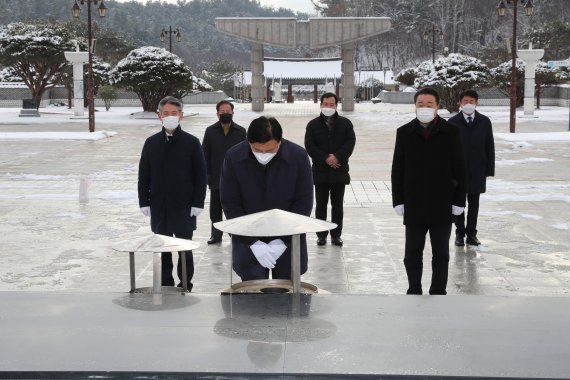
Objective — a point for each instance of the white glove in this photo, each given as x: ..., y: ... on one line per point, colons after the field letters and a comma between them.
x: 399, y: 209
x: 195, y: 211
x: 146, y: 211
x: 456, y: 210
x: 261, y: 252
x: 276, y: 248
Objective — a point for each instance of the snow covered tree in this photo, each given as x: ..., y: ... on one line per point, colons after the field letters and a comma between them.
x: 101, y: 76
x: 552, y: 36
x: 501, y: 78
x: 8, y: 75
x: 450, y: 76
x: 35, y: 53
x: 220, y: 75
x: 407, y: 76
x: 546, y: 77
x: 153, y: 73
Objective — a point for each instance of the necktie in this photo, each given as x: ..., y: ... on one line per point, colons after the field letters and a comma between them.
x: 469, y: 121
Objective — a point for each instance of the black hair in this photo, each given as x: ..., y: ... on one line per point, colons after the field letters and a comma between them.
x: 427, y: 91
x: 470, y: 93
x: 329, y: 95
x: 221, y: 103
x: 263, y: 129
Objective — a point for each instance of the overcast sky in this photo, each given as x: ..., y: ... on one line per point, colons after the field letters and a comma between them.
x: 305, y: 6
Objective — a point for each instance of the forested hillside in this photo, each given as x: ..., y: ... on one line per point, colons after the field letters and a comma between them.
x: 470, y: 27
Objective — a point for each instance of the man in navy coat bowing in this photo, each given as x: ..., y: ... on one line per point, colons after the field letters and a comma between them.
x: 263, y: 173
x: 172, y: 184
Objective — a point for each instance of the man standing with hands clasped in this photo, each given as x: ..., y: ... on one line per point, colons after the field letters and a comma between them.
x: 428, y: 188
x: 172, y: 184
x: 476, y: 134
x: 330, y: 140
x: 218, y: 138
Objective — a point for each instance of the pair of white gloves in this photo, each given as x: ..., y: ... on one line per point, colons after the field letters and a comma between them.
x: 455, y: 210
x: 268, y: 253
x: 194, y: 211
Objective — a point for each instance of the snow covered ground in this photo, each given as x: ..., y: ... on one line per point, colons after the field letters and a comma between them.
x: 52, y: 241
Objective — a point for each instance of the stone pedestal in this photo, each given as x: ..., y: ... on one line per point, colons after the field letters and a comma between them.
x: 78, y: 59
x: 257, y: 79
x: 530, y: 57
x: 347, y: 78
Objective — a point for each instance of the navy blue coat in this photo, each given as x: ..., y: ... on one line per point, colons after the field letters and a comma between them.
x: 428, y: 176
x: 478, y: 150
x: 172, y: 180
x: 247, y: 187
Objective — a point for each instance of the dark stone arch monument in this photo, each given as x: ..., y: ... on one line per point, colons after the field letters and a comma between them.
x: 316, y: 33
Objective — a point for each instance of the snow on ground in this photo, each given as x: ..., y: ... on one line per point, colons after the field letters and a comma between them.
x: 97, y: 135
x: 539, y: 136
x: 499, y: 190
x: 521, y: 161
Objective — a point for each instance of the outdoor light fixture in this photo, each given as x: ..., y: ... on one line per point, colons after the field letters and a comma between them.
x: 433, y: 30
x: 76, y: 11
x: 170, y: 32
x: 501, y: 10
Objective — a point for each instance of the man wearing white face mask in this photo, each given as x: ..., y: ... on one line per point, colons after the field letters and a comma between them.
x: 476, y: 134
x: 330, y: 140
x: 172, y: 184
x: 263, y: 173
x: 428, y: 188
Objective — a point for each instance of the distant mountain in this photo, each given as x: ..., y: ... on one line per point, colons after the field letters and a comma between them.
x: 201, y: 42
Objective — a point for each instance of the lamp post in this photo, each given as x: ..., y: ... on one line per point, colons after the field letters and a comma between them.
x: 170, y: 32
x: 501, y: 10
x: 433, y: 30
x: 76, y: 10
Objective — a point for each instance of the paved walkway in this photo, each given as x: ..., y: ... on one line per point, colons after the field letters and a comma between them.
x: 51, y: 241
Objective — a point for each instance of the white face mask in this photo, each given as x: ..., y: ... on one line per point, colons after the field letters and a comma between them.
x: 328, y: 112
x: 468, y: 108
x: 264, y: 158
x: 170, y: 122
x: 425, y: 114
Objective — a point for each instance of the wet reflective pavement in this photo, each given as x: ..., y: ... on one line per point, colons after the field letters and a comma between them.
x: 64, y: 306
x: 284, y: 334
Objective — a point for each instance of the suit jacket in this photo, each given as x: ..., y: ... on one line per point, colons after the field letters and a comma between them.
x: 247, y: 187
x: 172, y: 180
x: 320, y: 142
x: 478, y: 150
x: 428, y: 176
x: 215, y: 145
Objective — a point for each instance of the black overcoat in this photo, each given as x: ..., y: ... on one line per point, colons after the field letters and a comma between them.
x: 478, y: 150
x: 215, y: 145
x: 172, y: 180
x: 428, y: 176
x: 320, y: 142
x: 247, y: 187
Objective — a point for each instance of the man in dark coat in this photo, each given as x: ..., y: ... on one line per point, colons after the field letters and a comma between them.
x: 330, y: 140
x: 172, y: 184
x: 263, y: 173
x: 218, y: 138
x: 428, y: 188
x: 476, y: 134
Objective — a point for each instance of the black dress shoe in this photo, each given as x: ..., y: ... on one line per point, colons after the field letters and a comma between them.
x: 472, y: 240
x: 336, y: 241
x: 321, y: 241
x: 459, y: 241
x: 214, y: 240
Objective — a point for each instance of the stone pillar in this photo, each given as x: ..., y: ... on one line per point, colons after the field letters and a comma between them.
x: 315, y: 94
x: 347, y: 68
x: 78, y: 59
x: 257, y: 80
x: 530, y: 58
